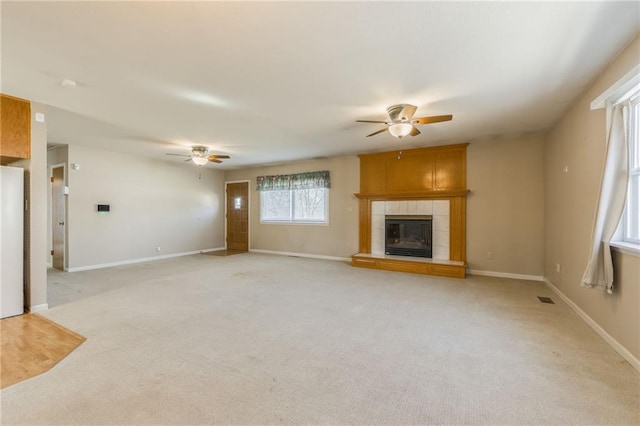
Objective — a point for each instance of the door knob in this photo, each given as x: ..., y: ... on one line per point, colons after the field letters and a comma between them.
x: 60, y: 223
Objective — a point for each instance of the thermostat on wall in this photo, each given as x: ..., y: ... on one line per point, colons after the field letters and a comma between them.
x: 103, y: 208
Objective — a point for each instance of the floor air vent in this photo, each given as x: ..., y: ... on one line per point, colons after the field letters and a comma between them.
x: 545, y: 299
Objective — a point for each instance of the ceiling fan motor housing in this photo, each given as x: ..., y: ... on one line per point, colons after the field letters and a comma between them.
x: 395, y: 113
x: 199, y: 151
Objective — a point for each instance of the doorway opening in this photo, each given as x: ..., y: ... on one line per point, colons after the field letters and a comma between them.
x: 58, y: 216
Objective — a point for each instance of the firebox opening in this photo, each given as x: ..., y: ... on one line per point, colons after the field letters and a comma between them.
x: 408, y: 235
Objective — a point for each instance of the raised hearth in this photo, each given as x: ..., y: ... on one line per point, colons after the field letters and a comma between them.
x: 416, y: 265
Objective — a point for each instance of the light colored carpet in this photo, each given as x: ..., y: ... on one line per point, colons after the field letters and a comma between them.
x: 260, y: 339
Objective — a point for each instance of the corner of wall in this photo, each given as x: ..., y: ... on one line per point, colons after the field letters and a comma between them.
x: 574, y: 148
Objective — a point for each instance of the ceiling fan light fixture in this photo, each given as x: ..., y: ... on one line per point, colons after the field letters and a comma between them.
x: 400, y: 130
x: 200, y: 161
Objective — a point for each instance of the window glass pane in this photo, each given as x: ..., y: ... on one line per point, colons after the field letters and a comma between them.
x: 632, y: 231
x: 632, y: 210
x: 275, y: 205
x: 309, y: 204
x: 634, y: 121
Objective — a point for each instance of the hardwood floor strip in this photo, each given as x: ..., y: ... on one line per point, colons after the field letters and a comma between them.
x: 32, y: 344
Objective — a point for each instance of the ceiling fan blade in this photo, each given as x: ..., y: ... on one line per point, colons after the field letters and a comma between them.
x: 379, y: 131
x: 218, y: 156
x: 180, y: 155
x: 213, y: 160
x: 415, y: 131
x: 370, y: 121
x: 432, y: 119
x: 408, y: 111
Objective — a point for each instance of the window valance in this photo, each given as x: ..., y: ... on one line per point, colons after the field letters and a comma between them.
x: 307, y: 180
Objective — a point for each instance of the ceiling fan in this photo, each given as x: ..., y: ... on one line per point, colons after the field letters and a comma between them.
x: 200, y: 156
x: 401, y: 122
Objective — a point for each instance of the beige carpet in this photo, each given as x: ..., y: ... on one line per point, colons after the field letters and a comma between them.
x: 259, y: 339
x: 224, y: 252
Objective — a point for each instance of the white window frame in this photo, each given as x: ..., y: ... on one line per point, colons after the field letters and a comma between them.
x: 292, y: 220
x: 634, y: 169
x: 626, y: 88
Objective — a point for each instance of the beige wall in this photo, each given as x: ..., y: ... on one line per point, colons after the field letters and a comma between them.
x: 505, y: 213
x: 153, y: 203
x: 338, y: 239
x: 577, y: 141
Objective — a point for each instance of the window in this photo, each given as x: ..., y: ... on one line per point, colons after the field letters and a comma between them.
x: 299, y: 198
x: 631, y: 217
x: 295, y: 205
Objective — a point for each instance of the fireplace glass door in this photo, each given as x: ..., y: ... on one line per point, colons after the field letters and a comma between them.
x: 408, y: 236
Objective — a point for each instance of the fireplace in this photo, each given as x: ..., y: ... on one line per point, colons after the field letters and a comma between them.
x: 415, y: 182
x: 408, y: 235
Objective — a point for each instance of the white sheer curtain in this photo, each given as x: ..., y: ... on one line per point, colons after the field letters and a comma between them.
x: 613, y: 193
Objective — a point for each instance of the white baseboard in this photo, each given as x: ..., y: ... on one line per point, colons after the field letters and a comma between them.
x: 141, y: 260
x: 635, y: 362
x: 310, y: 256
x: 39, y: 308
x: 505, y: 275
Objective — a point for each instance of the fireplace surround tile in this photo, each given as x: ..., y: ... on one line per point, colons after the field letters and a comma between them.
x: 377, y: 207
x: 377, y: 222
x: 440, y: 253
x: 412, y: 206
x: 396, y: 207
x: 377, y: 241
x: 422, y: 207
x: 441, y: 239
x: 441, y: 207
x: 441, y: 224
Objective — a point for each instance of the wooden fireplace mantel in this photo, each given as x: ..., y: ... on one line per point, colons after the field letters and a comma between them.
x: 428, y: 195
x: 437, y: 173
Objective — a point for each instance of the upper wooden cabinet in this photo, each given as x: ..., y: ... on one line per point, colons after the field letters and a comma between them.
x: 15, y: 131
x: 415, y: 172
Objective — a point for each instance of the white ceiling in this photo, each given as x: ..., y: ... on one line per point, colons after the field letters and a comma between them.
x: 271, y: 82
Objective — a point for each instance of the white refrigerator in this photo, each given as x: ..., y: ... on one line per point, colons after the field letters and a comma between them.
x: 11, y: 235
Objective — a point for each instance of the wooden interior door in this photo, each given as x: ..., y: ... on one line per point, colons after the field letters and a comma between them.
x: 58, y: 217
x: 238, y: 216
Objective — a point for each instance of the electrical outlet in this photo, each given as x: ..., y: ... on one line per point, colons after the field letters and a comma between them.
x: 557, y: 267
x: 489, y: 255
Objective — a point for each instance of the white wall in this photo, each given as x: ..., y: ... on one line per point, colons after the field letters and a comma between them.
x: 35, y: 223
x: 179, y: 208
